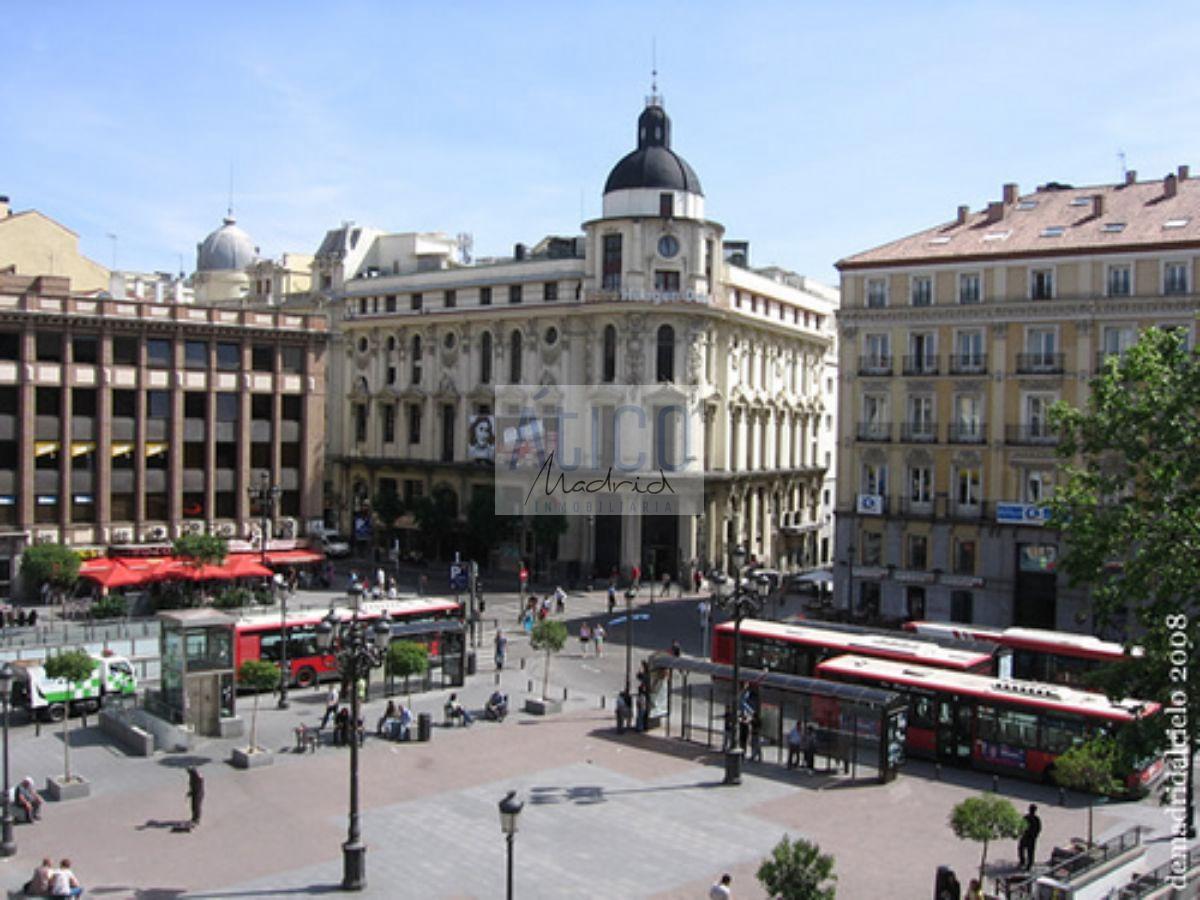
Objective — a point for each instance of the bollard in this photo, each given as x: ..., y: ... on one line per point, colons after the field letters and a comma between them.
x: 602, y: 699
x: 522, y: 662
x: 995, y: 784
x: 564, y: 693
x: 497, y: 681
x: 1062, y: 797
x: 937, y: 771
x: 529, y: 686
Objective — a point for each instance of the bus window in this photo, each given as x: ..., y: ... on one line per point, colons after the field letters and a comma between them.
x: 1018, y: 729
x: 269, y: 647
x: 1070, y: 669
x: 921, y: 712
x: 1060, y: 734
x: 987, y: 728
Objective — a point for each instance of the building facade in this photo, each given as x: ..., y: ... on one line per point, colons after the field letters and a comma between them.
x: 646, y: 295
x: 955, y: 342
x: 31, y: 243
x: 125, y: 421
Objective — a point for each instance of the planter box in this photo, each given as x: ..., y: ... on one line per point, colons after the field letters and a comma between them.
x: 57, y: 789
x: 244, y: 758
x: 541, y: 707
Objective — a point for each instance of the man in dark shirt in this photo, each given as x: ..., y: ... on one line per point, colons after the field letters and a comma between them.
x: 1027, y: 845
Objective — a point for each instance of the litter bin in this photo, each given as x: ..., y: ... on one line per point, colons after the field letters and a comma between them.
x: 424, y: 726
x: 946, y: 887
x: 471, y: 664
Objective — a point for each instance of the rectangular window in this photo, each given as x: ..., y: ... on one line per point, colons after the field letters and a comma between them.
x: 389, y: 303
x: 1041, y: 284
x: 878, y: 349
x: 10, y: 346
x: 922, y: 290
x: 514, y: 293
x: 125, y: 351
x: 611, y: 271
x: 876, y: 293
x: 360, y: 423
x: 918, y: 552
x: 158, y: 404
x: 124, y: 404
x: 968, y: 287
x: 49, y: 346
x: 228, y: 407
x: 195, y: 354
x: 389, y: 423
x: 229, y: 357
x: 1119, y: 281
x: 666, y: 205
x: 416, y: 301
x: 1175, y: 278
x: 920, y: 418
x: 414, y: 423
x: 962, y: 606
x: 550, y: 291
x: 485, y: 296
x: 85, y: 349
x: 292, y: 360
x: 964, y: 557
x: 1040, y: 343
x: 262, y: 358
x: 1036, y: 485
x: 450, y: 299
x: 158, y: 354
x: 872, y: 548
x: 969, y: 486
x: 920, y: 485
x: 666, y: 281
x: 874, y: 479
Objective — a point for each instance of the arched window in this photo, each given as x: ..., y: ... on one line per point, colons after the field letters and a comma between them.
x: 610, y: 354
x: 666, y: 353
x: 416, y: 359
x: 485, y: 358
x: 514, y: 358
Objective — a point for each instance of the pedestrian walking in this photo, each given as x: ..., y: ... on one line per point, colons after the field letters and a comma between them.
x: 195, y: 794
x: 585, y: 638
x: 598, y: 636
x: 643, y: 708
x: 636, y: 576
x: 612, y: 597
x: 1027, y: 844
x: 332, y: 699
x: 522, y: 579
x: 756, y: 738
x: 623, y: 712
x: 560, y: 600
x: 697, y: 579
x: 720, y: 889
x: 810, y: 748
x: 501, y: 649
x: 795, y: 744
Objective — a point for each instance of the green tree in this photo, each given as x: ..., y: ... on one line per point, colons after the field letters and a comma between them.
x: 73, y: 666
x: 984, y: 819
x: 55, y: 565
x: 257, y: 675
x: 405, y: 659
x: 797, y: 870
x: 436, y: 517
x: 1090, y: 767
x: 1128, y: 501
x: 484, y: 529
x: 110, y: 606
x: 549, y: 635
x: 546, y: 532
x: 388, y: 507
x: 201, y: 549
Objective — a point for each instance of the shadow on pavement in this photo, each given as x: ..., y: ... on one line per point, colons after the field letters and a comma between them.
x: 183, y: 760
x: 265, y: 892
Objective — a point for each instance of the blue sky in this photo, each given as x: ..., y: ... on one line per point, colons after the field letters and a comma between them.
x: 817, y: 130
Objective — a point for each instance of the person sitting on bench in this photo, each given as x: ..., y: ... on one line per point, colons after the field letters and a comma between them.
x: 28, y: 800
x: 497, y: 706
x: 456, y: 712
x: 403, y: 727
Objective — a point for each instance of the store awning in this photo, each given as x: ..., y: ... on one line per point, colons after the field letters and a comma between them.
x: 45, y: 448
x: 294, y: 557
x: 81, y: 448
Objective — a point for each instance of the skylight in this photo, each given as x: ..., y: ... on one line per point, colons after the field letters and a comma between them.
x: 1175, y: 223
x: 996, y: 235
x: 939, y: 240
x: 1113, y: 227
x: 1053, y: 231
x: 1027, y: 204
x: 1082, y: 201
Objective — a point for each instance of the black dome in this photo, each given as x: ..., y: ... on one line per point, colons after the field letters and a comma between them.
x: 653, y: 164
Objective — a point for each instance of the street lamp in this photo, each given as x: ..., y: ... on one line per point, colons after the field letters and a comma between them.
x: 266, y: 495
x: 510, y: 811
x: 7, y: 845
x: 629, y: 595
x: 741, y: 602
x: 359, y: 646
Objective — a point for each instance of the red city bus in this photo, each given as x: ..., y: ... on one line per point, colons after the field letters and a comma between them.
x: 1014, y: 727
x: 797, y: 649
x: 1056, y: 657
x: 260, y: 635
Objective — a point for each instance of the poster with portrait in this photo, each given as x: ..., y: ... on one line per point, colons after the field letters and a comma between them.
x: 481, y: 438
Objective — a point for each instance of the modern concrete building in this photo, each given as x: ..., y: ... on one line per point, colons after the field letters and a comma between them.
x: 650, y: 293
x: 124, y: 421
x: 955, y: 342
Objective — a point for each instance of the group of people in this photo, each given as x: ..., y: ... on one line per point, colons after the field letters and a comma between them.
x: 50, y: 880
x: 802, y: 741
x: 19, y: 618
x: 593, y: 635
x: 539, y: 610
x: 396, y: 722
x: 343, y: 727
x: 384, y: 585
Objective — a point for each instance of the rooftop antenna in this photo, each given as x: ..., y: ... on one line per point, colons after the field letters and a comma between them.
x: 1121, y: 158
x: 229, y: 212
x: 654, y: 99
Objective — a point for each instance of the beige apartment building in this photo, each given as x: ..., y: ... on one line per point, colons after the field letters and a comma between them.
x: 127, y: 421
x: 955, y: 341
x: 32, y: 243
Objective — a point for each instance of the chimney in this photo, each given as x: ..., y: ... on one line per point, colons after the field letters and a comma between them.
x: 5, y: 209
x: 1183, y: 173
x: 519, y: 251
x: 158, y: 291
x: 1097, y: 205
x: 116, y: 285
x: 995, y: 212
x: 177, y: 290
x: 963, y: 212
x: 1131, y: 176
x: 1170, y: 186
x: 1010, y: 194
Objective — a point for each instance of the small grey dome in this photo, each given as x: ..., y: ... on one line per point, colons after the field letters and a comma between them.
x: 227, y: 248
x: 653, y: 164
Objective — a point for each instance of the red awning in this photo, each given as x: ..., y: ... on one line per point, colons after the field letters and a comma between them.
x: 294, y: 557
x: 247, y: 565
x: 110, y: 573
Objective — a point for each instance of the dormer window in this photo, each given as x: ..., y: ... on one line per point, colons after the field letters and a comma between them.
x: 666, y: 205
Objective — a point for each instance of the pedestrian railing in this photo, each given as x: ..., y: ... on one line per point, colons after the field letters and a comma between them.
x: 1165, y: 876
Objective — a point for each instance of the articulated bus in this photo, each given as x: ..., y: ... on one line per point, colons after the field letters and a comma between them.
x: 999, y: 725
x: 260, y: 635
x: 1057, y: 657
x: 796, y: 649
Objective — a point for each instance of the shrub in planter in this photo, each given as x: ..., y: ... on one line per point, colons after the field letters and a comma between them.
x: 110, y: 606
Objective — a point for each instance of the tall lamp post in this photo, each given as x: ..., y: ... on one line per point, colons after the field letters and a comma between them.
x: 266, y: 495
x: 741, y: 602
x: 510, y: 811
x: 629, y: 594
x: 359, y: 646
x: 7, y: 845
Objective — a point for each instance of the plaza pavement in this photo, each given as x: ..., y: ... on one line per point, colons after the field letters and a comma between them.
x: 605, y: 815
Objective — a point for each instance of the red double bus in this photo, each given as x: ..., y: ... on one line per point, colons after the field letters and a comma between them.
x: 260, y: 635
x: 794, y: 649
x: 999, y: 725
x: 1056, y: 657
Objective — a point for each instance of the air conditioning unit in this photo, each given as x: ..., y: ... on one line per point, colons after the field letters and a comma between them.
x: 121, y: 536
x: 225, y: 529
x: 45, y: 537
x: 157, y: 533
x: 288, y: 528
x: 196, y: 527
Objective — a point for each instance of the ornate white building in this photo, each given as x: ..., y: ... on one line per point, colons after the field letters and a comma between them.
x: 649, y: 293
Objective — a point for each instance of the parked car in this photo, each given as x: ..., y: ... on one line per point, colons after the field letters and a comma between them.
x: 334, y: 545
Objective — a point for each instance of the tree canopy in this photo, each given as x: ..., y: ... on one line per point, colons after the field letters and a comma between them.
x: 54, y: 564
x: 201, y: 549
x: 1091, y: 767
x: 798, y: 870
x: 984, y: 819
x: 549, y: 635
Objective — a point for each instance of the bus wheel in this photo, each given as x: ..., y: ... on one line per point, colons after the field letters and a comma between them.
x: 306, y: 676
x: 56, y: 712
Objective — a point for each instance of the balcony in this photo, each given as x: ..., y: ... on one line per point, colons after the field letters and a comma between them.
x: 968, y: 364
x: 968, y: 433
x: 1040, y: 363
x: 1103, y: 356
x: 918, y: 432
x: 1030, y: 434
x: 875, y: 365
x: 920, y: 365
x: 967, y: 511
x: 917, y: 508
x: 874, y: 431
